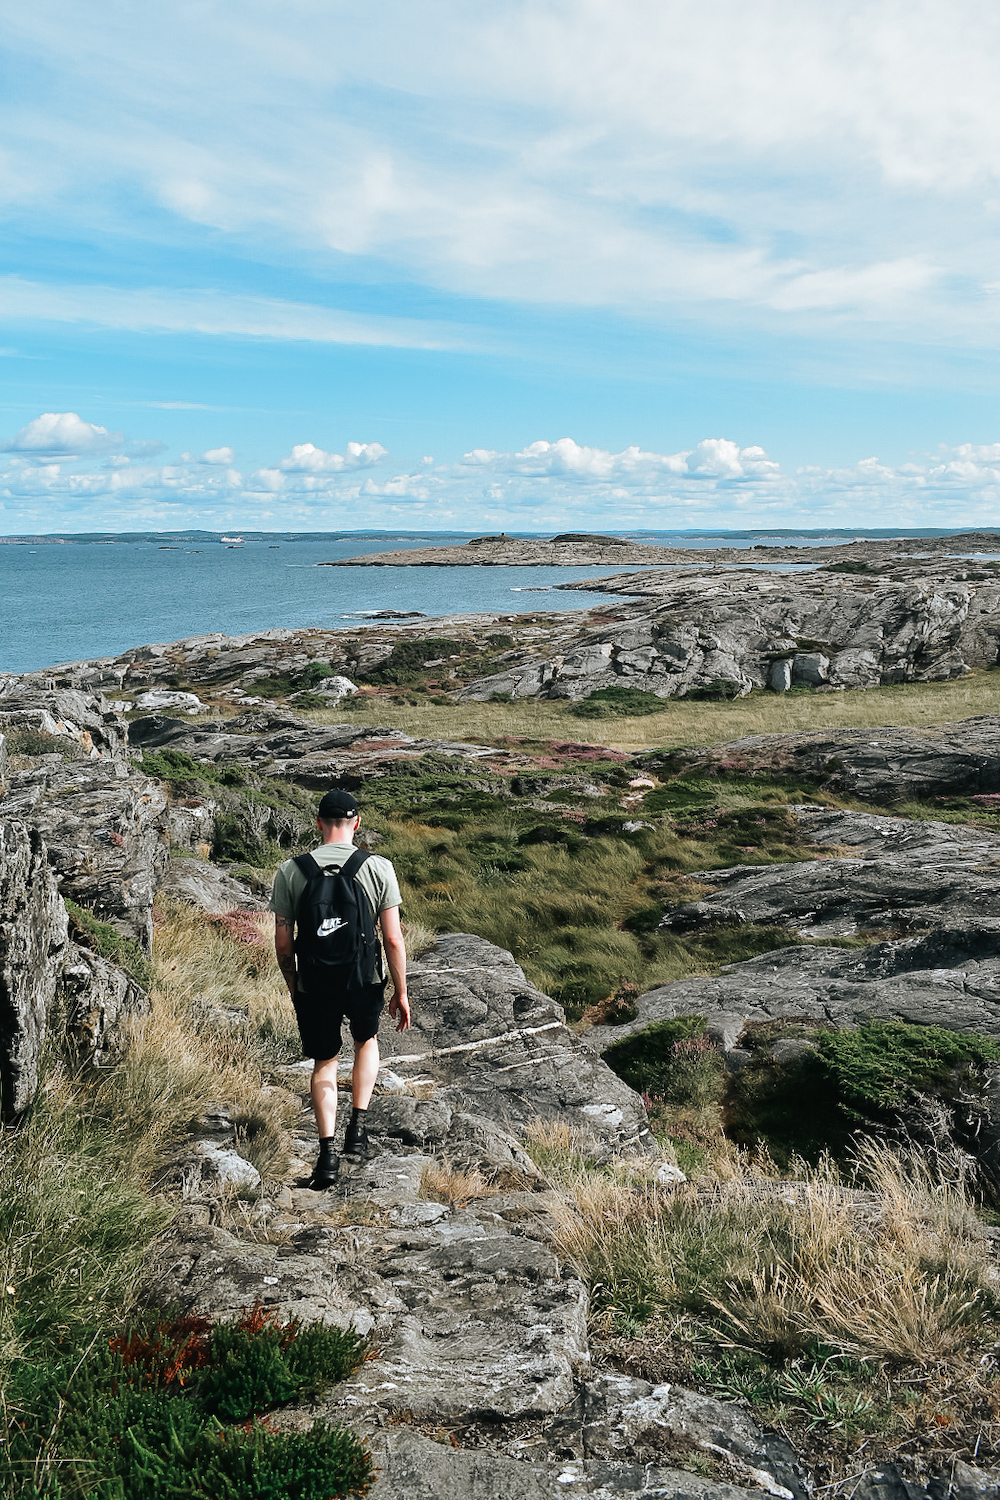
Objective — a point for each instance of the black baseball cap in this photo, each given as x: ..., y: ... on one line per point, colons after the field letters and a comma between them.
x: 336, y: 806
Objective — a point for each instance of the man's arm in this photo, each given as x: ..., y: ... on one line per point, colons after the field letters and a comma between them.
x: 284, y: 950
x: 395, y: 955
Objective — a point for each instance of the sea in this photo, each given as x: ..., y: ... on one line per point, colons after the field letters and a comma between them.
x: 72, y: 597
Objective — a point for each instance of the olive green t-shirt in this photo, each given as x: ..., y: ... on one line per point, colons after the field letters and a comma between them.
x: 377, y: 879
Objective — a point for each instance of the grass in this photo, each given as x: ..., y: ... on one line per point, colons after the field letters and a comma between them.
x: 807, y: 1300
x: 573, y: 894
x: 683, y: 722
x: 77, y: 1215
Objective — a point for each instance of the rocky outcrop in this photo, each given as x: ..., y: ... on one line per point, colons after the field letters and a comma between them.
x: 496, y: 1047
x: 881, y: 874
x: 104, y: 835
x: 207, y: 887
x: 949, y: 978
x: 750, y: 633
x: 883, y: 765
x: 285, y: 745
x: 51, y: 990
x: 33, y: 939
x: 84, y: 724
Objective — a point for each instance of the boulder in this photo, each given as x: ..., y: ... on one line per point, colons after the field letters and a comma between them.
x: 207, y: 887
x: 163, y: 698
x: 94, y: 1000
x: 500, y: 1049
x: 336, y: 687
x: 85, y: 722
x: 33, y: 940
x: 104, y: 835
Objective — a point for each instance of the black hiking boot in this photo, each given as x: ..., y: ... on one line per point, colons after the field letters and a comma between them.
x: 356, y: 1139
x: 326, y: 1170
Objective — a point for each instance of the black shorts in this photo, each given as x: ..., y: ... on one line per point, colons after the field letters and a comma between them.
x: 321, y: 1018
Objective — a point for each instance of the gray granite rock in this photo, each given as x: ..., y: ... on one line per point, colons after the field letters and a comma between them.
x: 412, y: 1467
x: 883, y: 765
x: 104, y: 833
x: 207, y: 887
x: 33, y: 940
x: 190, y: 824
x: 500, y: 1049
x: 881, y: 874
x: 95, y: 999
x: 949, y: 978
x: 758, y: 632
x: 84, y: 721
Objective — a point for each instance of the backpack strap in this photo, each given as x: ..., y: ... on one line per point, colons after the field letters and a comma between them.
x: 351, y: 866
x: 308, y: 865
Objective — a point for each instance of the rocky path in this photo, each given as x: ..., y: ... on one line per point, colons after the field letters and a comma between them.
x: 482, y: 1385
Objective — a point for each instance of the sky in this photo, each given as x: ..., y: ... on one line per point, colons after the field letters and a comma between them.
x: 627, y: 264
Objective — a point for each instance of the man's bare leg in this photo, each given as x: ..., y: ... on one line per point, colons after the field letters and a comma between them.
x: 323, y: 1092
x: 363, y: 1077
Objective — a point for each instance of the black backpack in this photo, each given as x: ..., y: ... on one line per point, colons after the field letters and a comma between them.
x: 335, y: 944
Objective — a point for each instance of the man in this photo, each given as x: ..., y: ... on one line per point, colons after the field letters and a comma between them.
x: 320, y: 1005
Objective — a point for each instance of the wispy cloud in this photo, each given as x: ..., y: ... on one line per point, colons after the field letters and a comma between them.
x: 159, y: 310
x: 784, y: 160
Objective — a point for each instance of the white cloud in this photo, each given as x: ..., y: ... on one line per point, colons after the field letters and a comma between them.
x: 50, y: 480
x: 61, y: 432
x: 306, y: 458
x: 713, y: 458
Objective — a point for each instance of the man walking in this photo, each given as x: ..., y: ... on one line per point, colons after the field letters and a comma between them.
x: 325, y: 908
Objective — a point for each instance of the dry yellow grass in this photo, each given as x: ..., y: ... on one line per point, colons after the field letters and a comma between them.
x: 684, y: 723
x: 906, y: 1279
x: 444, y: 1184
x: 220, y: 1014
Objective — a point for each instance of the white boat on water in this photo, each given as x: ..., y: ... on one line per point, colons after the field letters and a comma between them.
x: 232, y: 540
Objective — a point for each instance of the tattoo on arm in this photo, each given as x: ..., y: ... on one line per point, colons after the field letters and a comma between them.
x: 285, y: 923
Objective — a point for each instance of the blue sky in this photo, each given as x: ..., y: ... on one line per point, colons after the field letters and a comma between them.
x: 622, y: 263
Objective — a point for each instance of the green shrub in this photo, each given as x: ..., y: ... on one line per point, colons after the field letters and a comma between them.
x: 618, y: 702
x: 90, y: 932
x: 150, y: 1412
x: 648, y: 1060
x: 406, y: 661
x: 719, y: 690
x: 179, y: 767
x: 854, y: 1079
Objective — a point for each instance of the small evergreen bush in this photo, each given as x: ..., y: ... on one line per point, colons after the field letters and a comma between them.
x: 171, y: 1407
x: 618, y: 702
x: 406, y: 661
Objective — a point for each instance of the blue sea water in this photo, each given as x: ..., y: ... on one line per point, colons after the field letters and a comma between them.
x: 75, y: 597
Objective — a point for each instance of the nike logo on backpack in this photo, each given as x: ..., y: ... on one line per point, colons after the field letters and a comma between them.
x: 330, y: 925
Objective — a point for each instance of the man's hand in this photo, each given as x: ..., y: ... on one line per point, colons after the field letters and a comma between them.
x: 399, y: 1011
